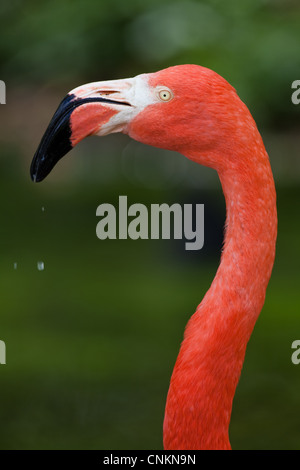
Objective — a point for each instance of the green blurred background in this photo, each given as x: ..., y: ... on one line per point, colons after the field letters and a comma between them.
x: 92, y: 339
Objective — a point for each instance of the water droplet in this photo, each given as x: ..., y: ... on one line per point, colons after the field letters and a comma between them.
x: 40, y: 265
x: 15, y: 265
x: 43, y: 209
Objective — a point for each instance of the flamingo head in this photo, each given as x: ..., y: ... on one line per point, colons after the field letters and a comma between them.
x: 181, y: 108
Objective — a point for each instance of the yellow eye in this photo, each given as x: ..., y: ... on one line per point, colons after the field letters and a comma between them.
x: 165, y: 95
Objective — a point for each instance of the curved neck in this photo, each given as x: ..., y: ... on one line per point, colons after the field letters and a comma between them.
x: 210, y: 360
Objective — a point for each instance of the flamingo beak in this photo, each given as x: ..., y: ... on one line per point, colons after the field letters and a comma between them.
x: 96, y: 108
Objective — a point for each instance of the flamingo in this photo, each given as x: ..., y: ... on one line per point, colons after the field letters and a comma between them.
x: 194, y: 111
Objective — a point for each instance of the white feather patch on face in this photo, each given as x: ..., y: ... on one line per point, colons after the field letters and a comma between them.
x: 135, y: 91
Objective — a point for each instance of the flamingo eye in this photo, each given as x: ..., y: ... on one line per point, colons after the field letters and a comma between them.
x: 165, y: 95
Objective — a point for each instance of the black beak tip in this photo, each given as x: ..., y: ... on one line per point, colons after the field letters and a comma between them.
x: 34, y: 171
x: 35, y: 174
x: 55, y: 143
x: 43, y: 163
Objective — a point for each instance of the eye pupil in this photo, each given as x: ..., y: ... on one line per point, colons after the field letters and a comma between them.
x: 165, y: 95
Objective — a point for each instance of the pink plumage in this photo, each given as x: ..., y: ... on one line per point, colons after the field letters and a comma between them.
x: 194, y: 111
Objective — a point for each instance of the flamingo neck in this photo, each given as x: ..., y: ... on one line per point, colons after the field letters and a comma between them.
x: 210, y: 360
